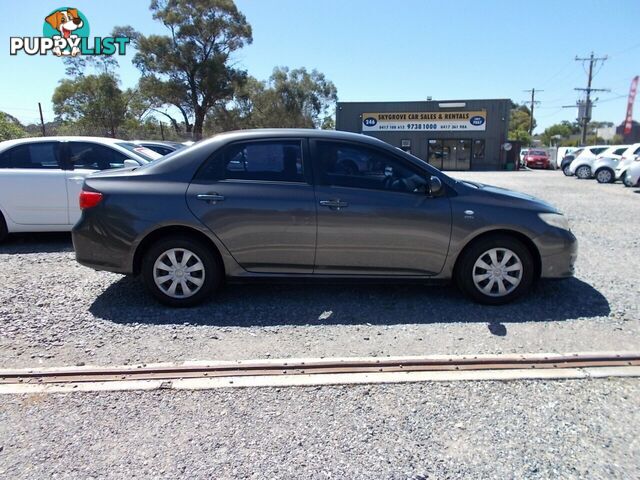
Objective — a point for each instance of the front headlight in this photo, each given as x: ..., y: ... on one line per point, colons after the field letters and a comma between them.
x: 556, y: 220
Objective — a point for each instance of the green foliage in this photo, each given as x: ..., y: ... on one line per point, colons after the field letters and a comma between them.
x: 93, y: 103
x: 521, y: 136
x: 10, y: 127
x: 617, y: 140
x: 289, y: 99
x: 519, y: 120
x: 190, y: 68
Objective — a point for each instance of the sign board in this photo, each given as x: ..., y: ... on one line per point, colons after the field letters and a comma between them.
x: 425, y: 121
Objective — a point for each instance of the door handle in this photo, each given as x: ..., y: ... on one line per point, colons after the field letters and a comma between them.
x: 337, y: 204
x: 75, y: 179
x: 210, y: 197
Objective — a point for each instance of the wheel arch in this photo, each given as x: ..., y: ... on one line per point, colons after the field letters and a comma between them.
x: 161, y: 232
x: 531, y: 246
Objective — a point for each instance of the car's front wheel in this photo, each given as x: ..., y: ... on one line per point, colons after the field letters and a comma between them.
x: 181, y: 271
x: 605, y: 175
x: 566, y: 170
x: 626, y: 179
x: 495, y: 270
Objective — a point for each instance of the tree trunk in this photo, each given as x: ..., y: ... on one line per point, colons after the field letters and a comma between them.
x: 198, y: 124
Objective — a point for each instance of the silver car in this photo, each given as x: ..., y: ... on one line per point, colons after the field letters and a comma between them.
x: 273, y: 204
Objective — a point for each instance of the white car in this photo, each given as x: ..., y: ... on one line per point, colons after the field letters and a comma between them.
x: 632, y: 177
x: 626, y: 161
x: 41, y: 178
x: 604, y: 168
x: 581, y: 164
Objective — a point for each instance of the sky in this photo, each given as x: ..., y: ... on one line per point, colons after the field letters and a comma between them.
x: 382, y: 50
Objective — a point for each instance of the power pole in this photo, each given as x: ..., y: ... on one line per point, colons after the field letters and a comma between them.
x: 41, y: 120
x: 533, y: 103
x: 584, y: 108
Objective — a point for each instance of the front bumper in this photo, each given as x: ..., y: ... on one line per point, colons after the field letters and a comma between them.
x: 558, y: 254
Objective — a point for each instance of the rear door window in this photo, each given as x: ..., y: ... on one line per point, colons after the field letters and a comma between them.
x: 93, y: 156
x: 272, y: 161
x: 37, y: 155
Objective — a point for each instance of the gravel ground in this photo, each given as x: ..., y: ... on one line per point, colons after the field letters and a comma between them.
x: 490, y: 430
x: 54, y: 312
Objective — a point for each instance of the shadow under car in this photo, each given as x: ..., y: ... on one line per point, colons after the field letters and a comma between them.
x: 351, y: 304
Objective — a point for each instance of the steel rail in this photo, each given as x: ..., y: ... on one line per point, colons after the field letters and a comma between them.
x: 67, y: 375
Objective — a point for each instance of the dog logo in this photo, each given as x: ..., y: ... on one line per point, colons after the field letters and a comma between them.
x: 65, y: 33
x: 69, y: 24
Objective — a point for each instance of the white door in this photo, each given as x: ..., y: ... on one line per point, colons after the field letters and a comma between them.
x: 86, y: 158
x: 32, y: 184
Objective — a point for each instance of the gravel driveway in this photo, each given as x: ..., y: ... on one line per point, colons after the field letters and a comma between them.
x: 489, y: 430
x: 54, y: 312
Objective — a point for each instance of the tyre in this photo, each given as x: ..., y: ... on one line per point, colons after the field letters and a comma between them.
x: 626, y: 180
x: 566, y: 170
x: 605, y: 175
x: 181, y: 271
x: 3, y: 229
x: 495, y: 270
x: 583, y: 172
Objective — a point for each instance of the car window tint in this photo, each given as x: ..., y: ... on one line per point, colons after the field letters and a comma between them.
x: 32, y: 155
x: 279, y: 161
x: 346, y: 165
x: 598, y: 150
x: 93, y: 156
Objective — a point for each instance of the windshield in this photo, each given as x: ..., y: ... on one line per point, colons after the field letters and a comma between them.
x: 537, y: 152
x: 143, y: 152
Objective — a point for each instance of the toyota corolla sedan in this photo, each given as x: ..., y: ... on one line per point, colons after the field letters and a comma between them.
x: 274, y: 204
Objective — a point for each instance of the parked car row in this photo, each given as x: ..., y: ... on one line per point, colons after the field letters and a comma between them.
x: 41, y: 178
x: 606, y: 164
x: 282, y: 203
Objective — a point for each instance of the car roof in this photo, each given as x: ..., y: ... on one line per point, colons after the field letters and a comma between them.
x: 258, y: 133
x: 66, y: 138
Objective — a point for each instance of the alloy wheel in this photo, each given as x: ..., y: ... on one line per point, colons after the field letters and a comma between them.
x: 497, y: 272
x: 583, y: 172
x: 179, y: 273
x: 604, y: 176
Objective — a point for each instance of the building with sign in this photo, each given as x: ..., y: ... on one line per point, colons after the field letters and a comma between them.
x: 450, y: 135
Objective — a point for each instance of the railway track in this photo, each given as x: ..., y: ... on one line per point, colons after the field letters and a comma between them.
x: 321, y: 371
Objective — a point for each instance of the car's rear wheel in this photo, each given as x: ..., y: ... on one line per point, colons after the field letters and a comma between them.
x: 583, y: 172
x: 566, y: 170
x: 3, y: 229
x: 181, y: 271
x: 495, y: 270
x: 605, y: 175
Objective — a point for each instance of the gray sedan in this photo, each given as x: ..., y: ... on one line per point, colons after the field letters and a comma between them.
x: 307, y: 204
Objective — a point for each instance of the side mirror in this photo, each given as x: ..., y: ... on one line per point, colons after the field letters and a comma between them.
x: 435, y: 186
x: 128, y: 163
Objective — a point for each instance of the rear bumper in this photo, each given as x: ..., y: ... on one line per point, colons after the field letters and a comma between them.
x: 101, y: 248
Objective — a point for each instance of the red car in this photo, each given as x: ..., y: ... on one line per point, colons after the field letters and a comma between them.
x: 537, y: 159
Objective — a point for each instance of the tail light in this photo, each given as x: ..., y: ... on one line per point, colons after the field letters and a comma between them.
x: 89, y: 199
x: 623, y: 158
